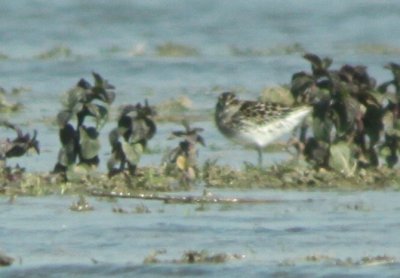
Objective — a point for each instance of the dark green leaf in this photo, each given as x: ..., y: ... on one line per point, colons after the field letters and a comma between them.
x: 89, y: 142
x: 67, y: 156
x: 132, y: 152
x: 67, y: 135
x: 100, y: 82
x: 300, y: 83
x: 313, y: 59
x: 322, y: 128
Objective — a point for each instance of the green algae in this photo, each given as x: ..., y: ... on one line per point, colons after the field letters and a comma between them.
x: 171, y: 49
x: 178, y: 109
x: 378, y: 49
x: 272, y: 51
x: 192, y: 257
x: 291, y: 175
x: 56, y: 52
x: 3, y: 56
x: 328, y: 260
x: 343, y: 171
x: 279, y: 94
x: 7, y: 106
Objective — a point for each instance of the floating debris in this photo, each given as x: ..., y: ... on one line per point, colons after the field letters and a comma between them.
x: 274, y: 51
x: 56, y: 52
x: 5, y: 105
x: 81, y: 205
x: 378, y: 49
x: 171, y: 49
x: 193, y: 257
x: 3, y: 56
x: 280, y: 95
x: 138, y: 209
x: 5, y: 260
x: 141, y: 208
x: 175, y: 110
x: 347, y: 262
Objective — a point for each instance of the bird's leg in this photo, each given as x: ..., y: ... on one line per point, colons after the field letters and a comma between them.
x: 259, y: 152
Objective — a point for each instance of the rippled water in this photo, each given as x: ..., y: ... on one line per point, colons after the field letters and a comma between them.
x: 241, y: 45
x: 276, y: 238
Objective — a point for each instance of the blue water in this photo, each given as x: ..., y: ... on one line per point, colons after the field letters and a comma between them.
x: 120, y: 39
x: 46, y: 237
x: 242, y: 46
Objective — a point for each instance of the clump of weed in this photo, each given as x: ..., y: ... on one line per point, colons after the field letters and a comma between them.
x: 181, y: 162
x: 81, y: 142
x: 348, y: 119
x: 129, y: 139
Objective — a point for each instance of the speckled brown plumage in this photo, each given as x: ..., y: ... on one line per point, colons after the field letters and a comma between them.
x: 255, y: 123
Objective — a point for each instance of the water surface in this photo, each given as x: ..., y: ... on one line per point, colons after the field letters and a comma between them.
x: 243, y: 46
x: 45, y: 236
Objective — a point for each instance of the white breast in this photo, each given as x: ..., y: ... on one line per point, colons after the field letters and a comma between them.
x: 262, y: 135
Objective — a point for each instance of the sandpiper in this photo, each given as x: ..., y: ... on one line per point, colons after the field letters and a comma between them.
x: 255, y: 123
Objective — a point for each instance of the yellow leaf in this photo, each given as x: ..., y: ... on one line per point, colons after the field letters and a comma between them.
x: 181, y: 162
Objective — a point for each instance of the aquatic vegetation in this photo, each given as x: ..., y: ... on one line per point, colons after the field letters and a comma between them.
x: 141, y: 208
x: 280, y: 95
x: 179, y: 104
x: 16, y: 147
x: 348, y: 115
x: 138, y: 209
x: 56, y: 52
x: 350, y: 141
x: 278, y: 50
x: 5, y: 105
x: 81, y: 205
x: 378, y: 49
x: 175, y: 110
x: 20, y: 145
x: 82, y: 142
x: 146, y: 179
x: 129, y: 139
x: 193, y: 257
x: 181, y: 161
x: 149, y: 182
x: 347, y: 262
x: 5, y: 260
x: 171, y: 49
x: 3, y: 56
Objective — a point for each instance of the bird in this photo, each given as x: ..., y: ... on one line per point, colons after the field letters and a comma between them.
x: 254, y: 123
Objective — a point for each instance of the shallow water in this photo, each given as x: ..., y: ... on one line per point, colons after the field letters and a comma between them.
x: 239, y: 45
x: 46, y: 237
